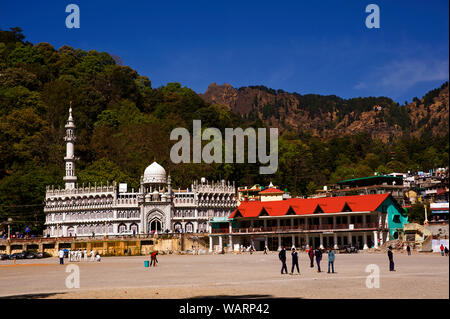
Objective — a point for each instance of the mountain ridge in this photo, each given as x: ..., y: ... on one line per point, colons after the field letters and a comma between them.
x: 330, y: 116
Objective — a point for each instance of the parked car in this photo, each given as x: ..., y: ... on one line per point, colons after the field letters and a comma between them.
x: 4, y: 256
x: 348, y: 249
x: 42, y: 255
x: 29, y: 255
x: 17, y: 256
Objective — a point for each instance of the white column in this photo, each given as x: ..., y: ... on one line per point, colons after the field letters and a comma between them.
x: 266, y: 241
x: 230, y: 243
x: 307, y: 241
x: 375, y: 238
x: 293, y: 241
x: 365, y: 241
x: 210, y: 244
x: 381, y: 238
x: 349, y: 238
x: 335, y: 241
x: 220, y: 243
x: 279, y: 242
x: 321, y: 241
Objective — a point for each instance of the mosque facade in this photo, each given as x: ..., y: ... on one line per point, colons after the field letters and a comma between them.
x: 110, y: 209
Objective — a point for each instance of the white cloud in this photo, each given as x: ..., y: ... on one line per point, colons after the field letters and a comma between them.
x: 399, y: 76
x: 405, y: 74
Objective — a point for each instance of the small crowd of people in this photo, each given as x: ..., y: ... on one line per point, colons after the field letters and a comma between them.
x: 444, y: 250
x: 317, y: 253
x: 78, y: 255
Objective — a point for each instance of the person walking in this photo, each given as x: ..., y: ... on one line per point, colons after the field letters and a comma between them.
x: 282, y: 256
x: 92, y: 255
x: 391, y: 259
x: 294, y: 261
x: 85, y: 255
x: 331, y: 257
x: 446, y: 251
x: 408, y: 249
x: 61, y: 256
x: 265, y: 250
x: 318, y: 254
x: 311, y: 257
x: 442, y: 250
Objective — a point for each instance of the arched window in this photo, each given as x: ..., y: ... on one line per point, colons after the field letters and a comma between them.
x: 122, y: 228
x: 189, y: 227
x: 177, y: 226
x: 134, y: 228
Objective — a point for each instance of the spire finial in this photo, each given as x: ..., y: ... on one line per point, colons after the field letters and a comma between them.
x: 70, y: 112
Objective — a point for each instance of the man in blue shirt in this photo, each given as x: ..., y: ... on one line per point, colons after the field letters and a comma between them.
x: 331, y: 257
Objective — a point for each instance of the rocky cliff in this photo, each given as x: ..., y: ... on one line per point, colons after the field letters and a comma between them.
x: 328, y: 116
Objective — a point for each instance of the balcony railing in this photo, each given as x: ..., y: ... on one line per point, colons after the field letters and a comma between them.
x: 274, y: 229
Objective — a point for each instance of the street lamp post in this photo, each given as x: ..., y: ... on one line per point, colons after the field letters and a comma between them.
x: 426, y: 217
x: 9, y: 222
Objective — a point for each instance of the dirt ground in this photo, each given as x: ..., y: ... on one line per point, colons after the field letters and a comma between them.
x: 240, y: 276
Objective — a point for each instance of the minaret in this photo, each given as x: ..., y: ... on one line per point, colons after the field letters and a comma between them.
x: 70, y: 138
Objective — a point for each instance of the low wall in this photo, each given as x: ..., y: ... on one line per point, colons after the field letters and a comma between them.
x: 110, y: 247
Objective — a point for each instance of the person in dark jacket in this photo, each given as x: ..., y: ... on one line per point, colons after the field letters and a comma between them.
x: 408, y: 249
x: 311, y: 257
x: 294, y: 261
x: 391, y: 259
x: 318, y: 254
x: 282, y: 256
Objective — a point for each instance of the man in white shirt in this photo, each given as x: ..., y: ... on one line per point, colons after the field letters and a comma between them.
x: 85, y: 255
x: 61, y: 257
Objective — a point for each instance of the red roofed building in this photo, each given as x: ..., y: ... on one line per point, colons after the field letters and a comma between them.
x: 363, y: 221
x: 271, y: 194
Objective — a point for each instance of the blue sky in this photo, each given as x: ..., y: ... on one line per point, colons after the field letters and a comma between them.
x: 318, y: 47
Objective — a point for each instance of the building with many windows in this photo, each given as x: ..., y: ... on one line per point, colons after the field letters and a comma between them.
x: 363, y: 221
x: 112, y: 210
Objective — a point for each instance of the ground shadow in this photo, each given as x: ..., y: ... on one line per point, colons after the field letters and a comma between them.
x: 33, y: 296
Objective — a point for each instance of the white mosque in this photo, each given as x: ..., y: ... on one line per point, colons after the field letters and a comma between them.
x: 112, y: 210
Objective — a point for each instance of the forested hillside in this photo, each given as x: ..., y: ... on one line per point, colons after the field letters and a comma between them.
x: 332, y: 116
x: 123, y: 124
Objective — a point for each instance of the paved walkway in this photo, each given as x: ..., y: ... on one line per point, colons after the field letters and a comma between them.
x: 211, y: 276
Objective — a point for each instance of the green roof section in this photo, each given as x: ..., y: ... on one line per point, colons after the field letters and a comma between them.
x: 220, y: 220
x: 370, y: 178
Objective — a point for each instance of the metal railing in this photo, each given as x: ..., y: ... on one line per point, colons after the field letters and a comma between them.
x: 273, y: 229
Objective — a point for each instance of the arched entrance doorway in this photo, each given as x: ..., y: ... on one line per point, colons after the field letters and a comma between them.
x: 155, y: 226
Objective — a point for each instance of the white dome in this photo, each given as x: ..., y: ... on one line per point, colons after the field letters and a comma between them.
x: 155, y: 173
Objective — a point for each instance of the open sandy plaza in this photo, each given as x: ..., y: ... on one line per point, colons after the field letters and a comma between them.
x: 240, y: 276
